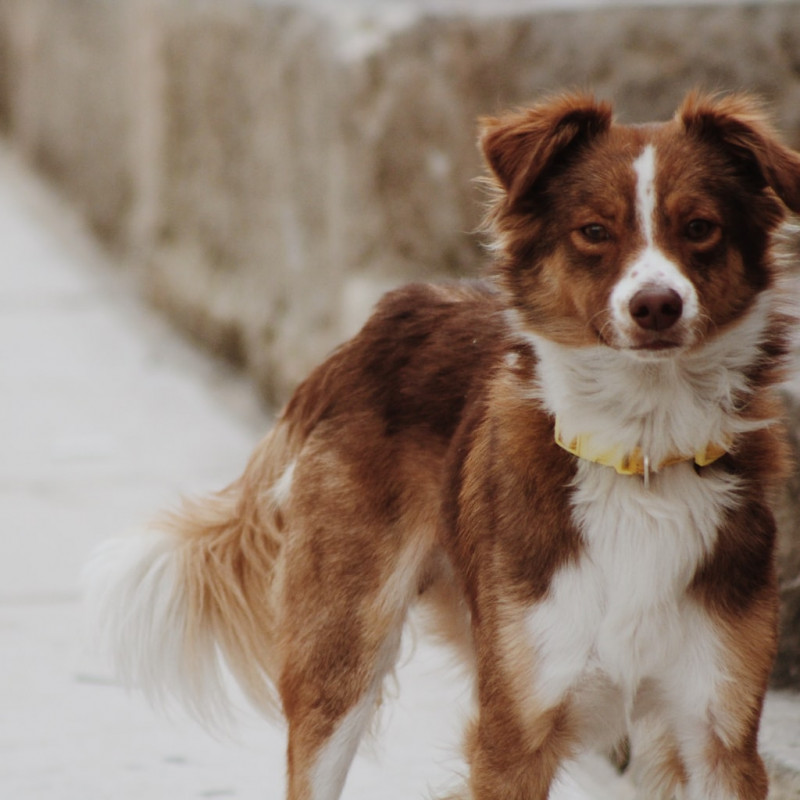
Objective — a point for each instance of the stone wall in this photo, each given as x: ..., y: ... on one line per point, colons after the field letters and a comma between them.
x: 271, y: 168
x: 275, y: 167
x: 787, y: 666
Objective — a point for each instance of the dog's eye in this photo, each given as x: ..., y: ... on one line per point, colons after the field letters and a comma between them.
x: 595, y: 233
x: 699, y: 230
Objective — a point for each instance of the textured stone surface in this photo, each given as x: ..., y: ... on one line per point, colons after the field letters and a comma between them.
x: 276, y: 167
x: 63, y: 86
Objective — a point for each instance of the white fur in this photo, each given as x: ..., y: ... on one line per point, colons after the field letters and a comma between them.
x: 621, y: 610
x: 133, y: 586
x: 645, y: 168
x: 674, y: 405
x: 651, y: 268
x: 617, y: 631
x: 333, y: 762
x: 282, y: 488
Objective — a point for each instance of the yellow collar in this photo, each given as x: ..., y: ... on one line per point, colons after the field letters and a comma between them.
x: 634, y: 462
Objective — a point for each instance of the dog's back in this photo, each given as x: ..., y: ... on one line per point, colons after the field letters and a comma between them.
x: 314, y: 555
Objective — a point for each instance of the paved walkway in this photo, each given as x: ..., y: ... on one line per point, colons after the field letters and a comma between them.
x: 107, y: 416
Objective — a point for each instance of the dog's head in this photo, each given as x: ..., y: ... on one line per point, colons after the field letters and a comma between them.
x: 649, y: 239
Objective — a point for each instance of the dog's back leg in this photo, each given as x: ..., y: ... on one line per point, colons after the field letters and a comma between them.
x: 342, y: 614
x: 329, y: 700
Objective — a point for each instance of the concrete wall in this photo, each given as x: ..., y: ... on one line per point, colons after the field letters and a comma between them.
x: 272, y: 168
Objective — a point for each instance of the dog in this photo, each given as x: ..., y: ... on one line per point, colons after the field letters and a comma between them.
x: 570, y: 462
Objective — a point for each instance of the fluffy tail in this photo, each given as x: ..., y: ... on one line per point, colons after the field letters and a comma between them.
x: 192, y: 591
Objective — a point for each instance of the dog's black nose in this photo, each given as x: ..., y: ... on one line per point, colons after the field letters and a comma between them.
x: 656, y: 309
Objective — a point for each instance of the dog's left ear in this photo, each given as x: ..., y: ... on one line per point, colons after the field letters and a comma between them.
x: 520, y: 146
x: 738, y: 123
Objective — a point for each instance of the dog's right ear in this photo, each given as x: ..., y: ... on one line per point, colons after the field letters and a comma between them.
x: 520, y: 146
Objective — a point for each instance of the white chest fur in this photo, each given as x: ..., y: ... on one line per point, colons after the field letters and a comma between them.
x: 676, y: 405
x: 621, y: 615
x: 620, y: 618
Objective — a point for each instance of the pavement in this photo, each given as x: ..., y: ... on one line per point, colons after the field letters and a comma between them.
x: 108, y: 416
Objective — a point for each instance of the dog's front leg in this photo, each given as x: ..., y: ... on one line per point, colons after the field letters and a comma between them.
x: 712, y: 693
x: 718, y: 697
x: 510, y: 760
x: 517, y: 743
x: 718, y: 745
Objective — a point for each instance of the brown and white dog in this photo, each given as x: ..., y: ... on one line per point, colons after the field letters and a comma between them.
x: 571, y: 461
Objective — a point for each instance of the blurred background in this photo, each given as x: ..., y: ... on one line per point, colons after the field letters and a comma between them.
x: 262, y: 171
x: 273, y: 167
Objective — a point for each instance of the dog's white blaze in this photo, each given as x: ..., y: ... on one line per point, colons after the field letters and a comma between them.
x: 645, y: 168
x: 330, y: 770
x: 651, y: 268
x: 621, y: 613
